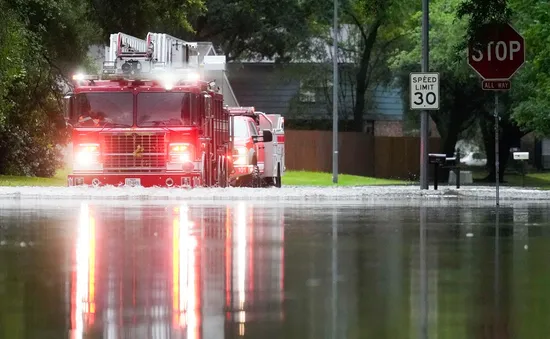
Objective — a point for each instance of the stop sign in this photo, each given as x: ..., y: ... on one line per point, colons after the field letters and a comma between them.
x: 497, y: 52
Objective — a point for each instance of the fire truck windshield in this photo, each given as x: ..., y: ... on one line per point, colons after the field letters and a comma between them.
x: 105, y: 108
x: 164, y: 109
x: 241, y: 129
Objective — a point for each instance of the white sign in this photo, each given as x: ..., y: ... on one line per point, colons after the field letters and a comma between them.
x: 521, y: 155
x: 500, y: 50
x: 424, y: 88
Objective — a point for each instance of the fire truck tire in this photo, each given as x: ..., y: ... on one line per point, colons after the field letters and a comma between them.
x: 277, y: 179
x: 256, y: 179
x: 204, y: 172
x: 222, y: 171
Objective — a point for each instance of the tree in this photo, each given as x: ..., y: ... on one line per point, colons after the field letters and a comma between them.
x: 461, y: 97
x: 369, y: 31
x: 531, y: 90
x: 137, y: 18
x: 257, y: 29
x: 516, y: 117
x: 40, y: 42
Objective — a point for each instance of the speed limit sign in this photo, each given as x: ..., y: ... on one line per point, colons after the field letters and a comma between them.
x: 424, y: 89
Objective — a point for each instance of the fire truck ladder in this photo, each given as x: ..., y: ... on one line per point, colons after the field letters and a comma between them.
x: 168, y: 51
x: 130, y: 50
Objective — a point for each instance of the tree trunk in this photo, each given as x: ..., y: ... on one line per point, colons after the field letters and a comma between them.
x: 509, y: 136
x: 362, y: 79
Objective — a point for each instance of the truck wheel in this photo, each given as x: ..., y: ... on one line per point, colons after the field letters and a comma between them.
x: 222, y: 171
x: 205, y: 175
x: 278, y: 182
x: 255, y: 177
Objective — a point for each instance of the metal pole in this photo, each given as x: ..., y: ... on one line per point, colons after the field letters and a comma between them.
x: 497, y: 162
x: 496, y: 287
x: 424, y: 117
x: 423, y: 328
x: 334, y: 273
x: 335, y: 96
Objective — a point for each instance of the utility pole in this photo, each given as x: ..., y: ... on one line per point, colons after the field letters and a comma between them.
x: 424, y: 117
x: 335, y: 96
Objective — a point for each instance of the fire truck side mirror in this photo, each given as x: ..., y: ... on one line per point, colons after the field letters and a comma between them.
x: 267, y: 136
x: 68, y: 101
x: 208, y: 105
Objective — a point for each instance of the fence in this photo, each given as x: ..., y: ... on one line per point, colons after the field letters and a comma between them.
x: 359, y: 154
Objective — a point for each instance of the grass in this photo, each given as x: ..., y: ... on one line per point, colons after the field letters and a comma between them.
x: 60, y: 179
x: 304, y: 178
x: 533, y: 180
x: 291, y: 178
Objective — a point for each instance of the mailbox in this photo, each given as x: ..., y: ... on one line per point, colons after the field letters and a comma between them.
x: 437, y: 158
x: 450, y: 162
x: 441, y: 160
x: 521, y: 155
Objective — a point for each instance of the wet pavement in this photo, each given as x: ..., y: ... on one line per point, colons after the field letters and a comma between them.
x: 123, y: 269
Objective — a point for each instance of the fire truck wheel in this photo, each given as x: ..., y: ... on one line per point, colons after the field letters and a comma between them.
x: 222, y: 172
x: 204, y: 172
x: 278, y: 183
x: 256, y: 178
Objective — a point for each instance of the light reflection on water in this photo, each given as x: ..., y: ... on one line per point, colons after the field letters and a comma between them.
x: 184, y: 270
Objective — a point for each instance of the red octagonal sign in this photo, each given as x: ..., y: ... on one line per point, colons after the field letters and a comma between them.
x: 497, y: 52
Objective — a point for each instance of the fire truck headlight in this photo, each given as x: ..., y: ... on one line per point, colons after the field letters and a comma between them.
x: 240, y: 150
x: 87, y: 154
x: 194, y: 76
x: 180, y: 153
x: 239, y: 155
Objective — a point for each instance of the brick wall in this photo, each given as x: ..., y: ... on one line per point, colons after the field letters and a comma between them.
x: 388, y: 128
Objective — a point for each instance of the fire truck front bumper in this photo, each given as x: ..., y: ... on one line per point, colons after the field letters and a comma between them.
x: 136, y: 179
x: 242, y: 170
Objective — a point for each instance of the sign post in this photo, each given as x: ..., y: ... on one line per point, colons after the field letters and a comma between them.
x: 496, y: 53
x: 424, y: 96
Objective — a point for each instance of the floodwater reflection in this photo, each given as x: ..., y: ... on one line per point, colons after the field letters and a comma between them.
x: 249, y: 270
x: 174, y: 272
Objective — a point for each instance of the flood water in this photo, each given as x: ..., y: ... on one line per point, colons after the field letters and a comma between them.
x: 205, y: 271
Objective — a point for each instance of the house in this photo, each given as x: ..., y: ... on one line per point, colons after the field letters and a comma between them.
x: 269, y: 88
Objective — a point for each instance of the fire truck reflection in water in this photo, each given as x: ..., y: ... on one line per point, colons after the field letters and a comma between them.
x: 212, y: 270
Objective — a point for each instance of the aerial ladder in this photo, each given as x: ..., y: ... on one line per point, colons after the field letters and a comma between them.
x: 132, y: 56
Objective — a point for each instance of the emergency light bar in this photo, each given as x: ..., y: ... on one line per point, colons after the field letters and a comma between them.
x: 242, y: 110
x: 83, y: 77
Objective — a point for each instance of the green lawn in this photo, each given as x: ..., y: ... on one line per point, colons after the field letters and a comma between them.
x: 292, y: 178
x: 60, y: 179
x: 304, y: 178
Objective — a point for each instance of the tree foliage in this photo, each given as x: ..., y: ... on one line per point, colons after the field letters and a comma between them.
x: 140, y: 17
x: 461, y: 97
x: 531, y: 88
x: 463, y: 104
x: 256, y: 29
x: 40, y: 42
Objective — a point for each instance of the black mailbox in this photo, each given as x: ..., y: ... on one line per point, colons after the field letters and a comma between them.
x: 450, y: 162
x: 441, y: 160
x: 437, y: 158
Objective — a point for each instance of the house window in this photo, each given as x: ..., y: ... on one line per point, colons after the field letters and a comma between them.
x: 307, y: 93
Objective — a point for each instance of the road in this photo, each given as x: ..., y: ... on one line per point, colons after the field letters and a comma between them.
x: 258, y: 269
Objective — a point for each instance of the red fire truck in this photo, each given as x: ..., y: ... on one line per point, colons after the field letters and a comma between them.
x: 152, y: 118
x: 256, y: 163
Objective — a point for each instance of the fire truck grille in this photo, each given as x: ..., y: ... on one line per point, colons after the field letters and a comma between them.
x: 136, y: 152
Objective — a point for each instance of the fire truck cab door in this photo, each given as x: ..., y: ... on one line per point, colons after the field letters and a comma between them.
x: 274, y: 152
x: 259, y: 146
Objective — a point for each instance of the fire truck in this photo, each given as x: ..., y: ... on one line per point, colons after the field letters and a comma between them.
x: 256, y: 163
x: 154, y: 117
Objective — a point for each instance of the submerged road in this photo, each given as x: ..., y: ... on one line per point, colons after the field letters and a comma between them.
x: 286, y: 193
x: 158, y: 269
